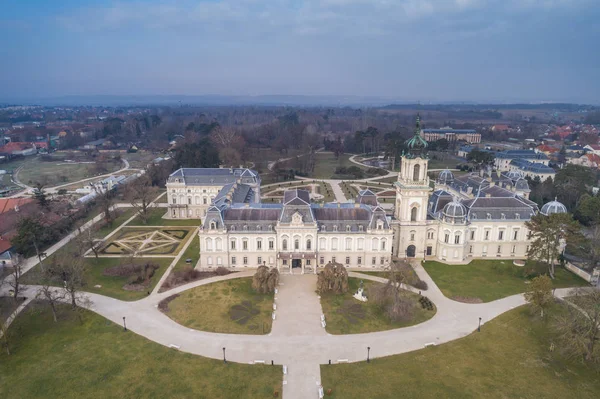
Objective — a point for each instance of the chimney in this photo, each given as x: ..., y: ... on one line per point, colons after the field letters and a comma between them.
x: 488, y: 195
x: 357, y: 205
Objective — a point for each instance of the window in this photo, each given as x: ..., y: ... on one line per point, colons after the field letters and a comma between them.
x: 259, y: 245
x: 245, y: 260
x: 348, y: 228
x: 322, y: 243
x: 245, y: 227
x: 232, y: 228
x: 285, y: 261
x: 517, y: 216
x: 296, y: 244
x: 488, y: 216
x: 333, y: 259
x: 360, y: 244
x: 204, y: 201
x: 499, y: 248
x: 260, y: 260
x: 219, y: 244
x: 446, y: 238
x: 502, y: 216
x: 189, y: 200
x: 487, y: 235
x: 348, y: 244
x: 383, y: 245
x: 245, y: 245
x: 429, y: 235
x: 515, y: 234
x: 233, y: 260
x: 359, y: 260
x: 382, y: 260
x: 347, y: 260
x: 233, y: 245
x: 472, y: 234
x: 360, y: 228
x: 413, y: 214
x: 500, y: 235
x: 213, y: 225
x: 416, y: 172
x: 375, y: 244
x: 513, y: 249
x: 174, y: 200
x: 219, y: 261
x: 322, y: 260
x: 335, y: 228
x: 307, y: 262
x: 209, y: 244
x: 284, y: 244
x: 270, y: 227
x: 373, y: 260
x: 334, y: 242
x: 323, y: 228
x: 271, y: 244
x: 258, y: 228
x: 209, y: 260
x: 412, y: 235
x: 308, y: 244
x: 470, y: 249
x: 457, y: 238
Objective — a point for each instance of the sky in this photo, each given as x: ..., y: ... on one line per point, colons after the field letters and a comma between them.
x: 409, y: 50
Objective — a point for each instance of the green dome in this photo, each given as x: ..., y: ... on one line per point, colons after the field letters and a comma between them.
x: 417, y: 144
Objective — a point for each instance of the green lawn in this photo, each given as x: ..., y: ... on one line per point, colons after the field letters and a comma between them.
x: 111, y: 286
x: 489, y: 280
x: 510, y: 358
x: 96, y: 359
x: 326, y: 164
x: 122, y: 215
x: 192, y: 252
x: 364, y: 317
x: 156, y: 219
x: 207, y: 308
x: 59, y: 172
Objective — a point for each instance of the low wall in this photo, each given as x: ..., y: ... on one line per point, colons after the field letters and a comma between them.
x: 581, y: 273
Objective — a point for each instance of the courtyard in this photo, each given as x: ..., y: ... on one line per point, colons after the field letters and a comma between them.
x: 140, y: 241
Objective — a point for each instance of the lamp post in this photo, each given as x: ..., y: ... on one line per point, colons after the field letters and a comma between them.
x: 224, y: 360
x: 124, y: 325
x: 479, y: 327
x: 368, y: 353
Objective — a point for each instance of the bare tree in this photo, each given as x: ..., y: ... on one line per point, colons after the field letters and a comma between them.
x: 14, y: 279
x: 265, y: 280
x: 333, y: 278
x: 140, y: 193
x: 539, y: 294
x: 52, y: 295
x: 579, y: 327
x: 106, y: 202
x: 389, y: 296
x: 223, y: 136
x: 72, y: 273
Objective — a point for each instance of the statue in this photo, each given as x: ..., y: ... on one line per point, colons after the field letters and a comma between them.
x: 360, y: 295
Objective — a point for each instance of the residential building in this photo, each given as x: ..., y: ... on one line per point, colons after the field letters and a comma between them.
x: 468, y: 135
x: 504, y: 158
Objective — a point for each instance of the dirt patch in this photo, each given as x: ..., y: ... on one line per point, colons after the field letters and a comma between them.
x: 139, y: 276
x: 189, y: 274
x: 466, y: 299
x: 163, y: 305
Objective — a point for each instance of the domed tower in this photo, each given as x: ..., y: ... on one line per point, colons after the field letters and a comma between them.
x: 445, y: 177
x: 522, y: 188
x: 553, y: 207
x: 412, y: 194
x: 454, y: 212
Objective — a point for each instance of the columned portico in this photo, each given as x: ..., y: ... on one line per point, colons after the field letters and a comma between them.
x: 303, y: 261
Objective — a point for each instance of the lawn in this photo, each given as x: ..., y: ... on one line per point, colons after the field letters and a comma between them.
x: 61, y: 172
x: 510, y: 358
x: 192, y: 252
x: 111, y: 286
x: 207, y: 308
x: 147, y: 241
x: 326, y: 164
x: 489, y: 280
x: 156, y: 219
x: 7, y: 307
x: 122, y: 215
x: 346, y: 315
x: 94, y: 358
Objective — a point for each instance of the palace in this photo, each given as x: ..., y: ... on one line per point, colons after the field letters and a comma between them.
x: 452, y: 219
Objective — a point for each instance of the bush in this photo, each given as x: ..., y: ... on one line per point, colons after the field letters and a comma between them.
x: 222, y: 271
x: 264, y: 280
x: 333, y: 278
x: 421, y: 285
x: 62, y: 191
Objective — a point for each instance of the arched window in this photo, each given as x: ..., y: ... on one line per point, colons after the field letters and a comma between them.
x: 322, y: 243
x: 348, y: 228
x: 417, y: 172
x: 209, y: 260
x: 219, y: 244
x: 213, y: 225
x: 375, y: 244
x: 209, y: 244
x: 348, y: 244
x: 413, y: 214
x: 334, y: 227
x: 284, y: 244
x: 334, y: 242
x: 457, y: 238
x: 309, y: 244
x: 296, y: 244
x: 383, y: 243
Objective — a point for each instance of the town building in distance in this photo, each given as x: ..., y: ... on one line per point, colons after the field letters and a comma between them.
x: 468, y: 135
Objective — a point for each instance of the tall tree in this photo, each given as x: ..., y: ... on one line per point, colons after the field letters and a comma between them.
x: 14, y: 279
x: 31, y: 234
x: 140, y: 193
x: 51, y: 295
x: 549, y: 235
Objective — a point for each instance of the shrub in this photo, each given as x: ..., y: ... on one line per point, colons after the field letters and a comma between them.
x: 222, y: 271
x: 264, y: 280
x: 333, y: 278
x: 62, y: 191
x: 421, y: 285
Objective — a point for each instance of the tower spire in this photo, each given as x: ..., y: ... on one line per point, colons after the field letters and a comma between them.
x: 417, y: 145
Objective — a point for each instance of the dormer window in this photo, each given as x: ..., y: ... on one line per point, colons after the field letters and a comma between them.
x: 258, y: 228
x: 517, y: 216
x: 213, y: 225
x: 489, y: 216
x: 360, y: 228
x: 232, y: 228
x: 348, y: 228
x: 335, y: 228
x: 474, y: 215
x: 245, y: 227
x: 270, y: 227
x: 502, y: 216
x: 323, y: 227
x: 379, y: 225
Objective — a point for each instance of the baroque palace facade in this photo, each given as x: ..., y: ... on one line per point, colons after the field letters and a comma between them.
x: 453, y: 219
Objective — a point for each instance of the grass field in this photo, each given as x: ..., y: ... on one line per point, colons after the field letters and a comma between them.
x: 510, y: 358
x: 55, y: 173
x: 122, y: 215
x: 326, y: 164
x: 156, y: 219
x: 192, y: 252
x: 207, y: 308
x: 364, y: 317
x: 489, y: 280
x: 109, y: 285
x: 96, y: 359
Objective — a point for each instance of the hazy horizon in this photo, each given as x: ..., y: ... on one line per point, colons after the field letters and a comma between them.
x: 429, y: 51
